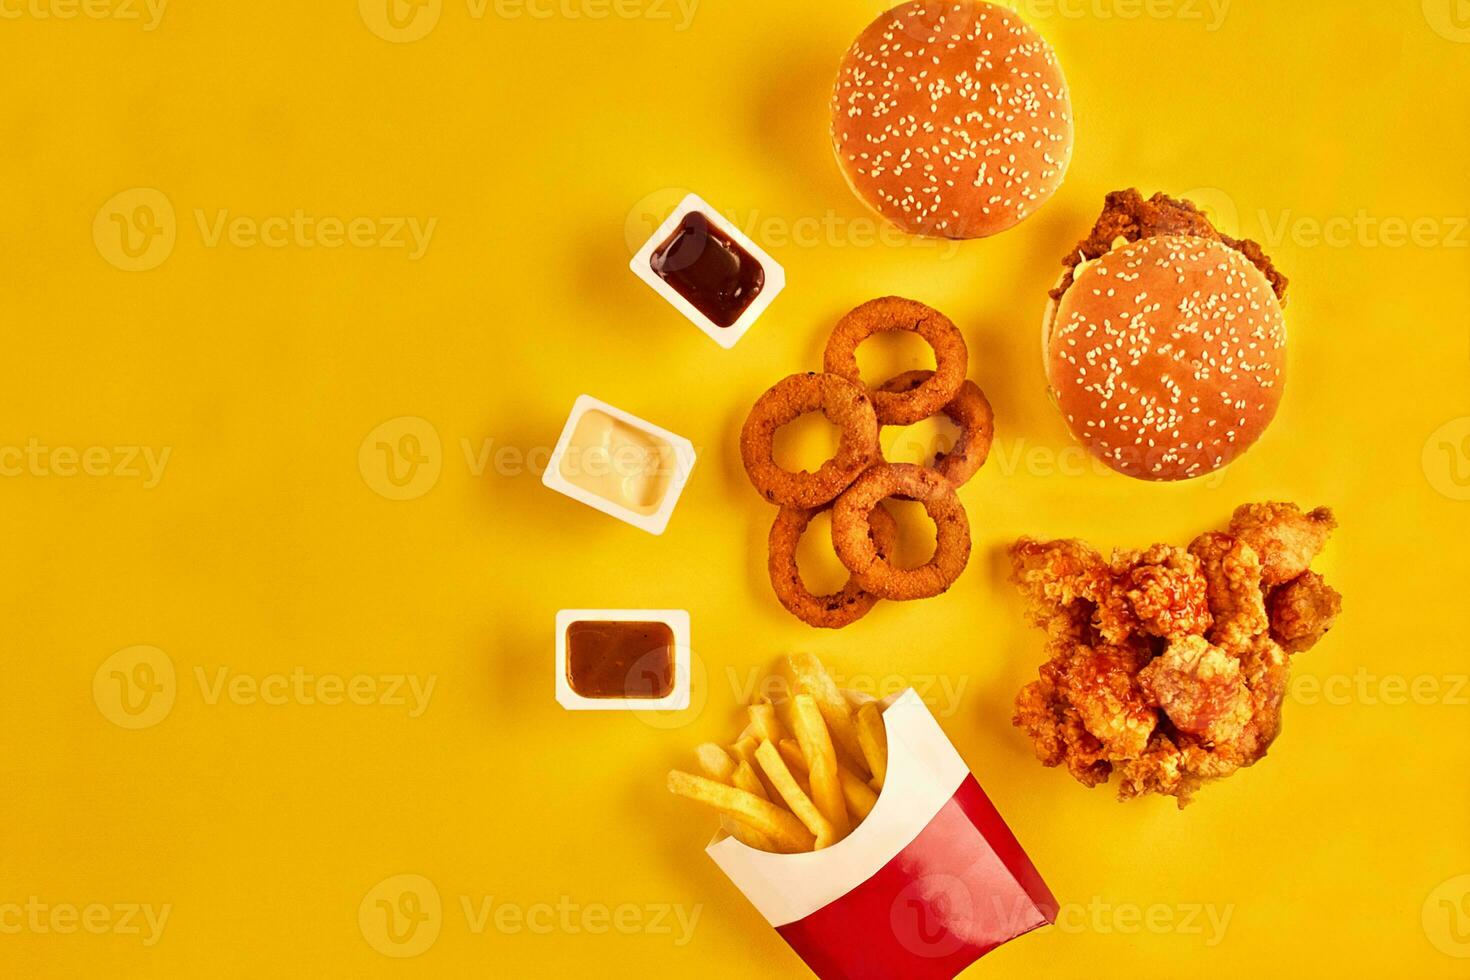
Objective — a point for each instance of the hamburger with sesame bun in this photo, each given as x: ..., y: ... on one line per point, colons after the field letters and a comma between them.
x: 952, y: 120
x: 1164, y: 340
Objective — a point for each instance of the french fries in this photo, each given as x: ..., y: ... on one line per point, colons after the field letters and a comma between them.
x: 766, y: 723
x: 746, y: 834
x: 796, y: 762
x: 744, y: 751
x: 859, y: 795
x: 806, y: 771
x: 791, y: 752
x: 821, y: 763
x: 874, y: 741
x: 785, y: 831
x: 745, y: 778
x: 718, y: 766
x: 801, y: 804
x: 812, y: 678
x: 715, y: 762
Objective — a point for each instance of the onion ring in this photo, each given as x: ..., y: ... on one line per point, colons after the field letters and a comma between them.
x: 951, y: 356
x: 845, y: 404
x: 837, y: 609
x: 852, y: 537
x: 971, y: 411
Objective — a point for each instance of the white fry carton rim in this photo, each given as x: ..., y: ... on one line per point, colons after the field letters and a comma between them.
x: 924, y: 772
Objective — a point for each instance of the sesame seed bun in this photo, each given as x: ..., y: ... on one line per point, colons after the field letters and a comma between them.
x: 952, y: 120
x: 1167, y: 356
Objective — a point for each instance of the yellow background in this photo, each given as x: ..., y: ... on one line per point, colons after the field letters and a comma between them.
x: 536, y: 143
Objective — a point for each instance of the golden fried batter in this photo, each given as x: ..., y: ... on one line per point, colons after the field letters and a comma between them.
x: 1159, y: 591
x: 1103, y: 684
x: 1166, y: 592
x: 1200, y: 688
x: 1302, y: 611
x: 1128, y: 216
x: 1169, y: 667
x: 1233, y: 570
x: 1286, y: 539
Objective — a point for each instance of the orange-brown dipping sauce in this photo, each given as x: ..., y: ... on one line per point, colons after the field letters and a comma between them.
x: 620, y: 659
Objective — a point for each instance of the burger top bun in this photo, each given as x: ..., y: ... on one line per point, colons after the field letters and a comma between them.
x: 1167, y: 356
x: 952, y: 119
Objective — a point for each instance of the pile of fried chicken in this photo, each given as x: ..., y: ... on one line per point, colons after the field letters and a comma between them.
x: 1169, y: 666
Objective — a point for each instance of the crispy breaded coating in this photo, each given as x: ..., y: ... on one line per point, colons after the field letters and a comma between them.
x: 1200, y: 688
x: 1128, y: 216
x: 1166, y: 591
x: 1054, y: 575
x: 1233, y: 570
x: 1286, y: 539
x: 1058, y: 734
x: 1302, y: 611
x: 1164, y: 665
x: 1158, y: 770
x: 1267, y: 671
x: 1159, y: 592
x: 1103, y: 685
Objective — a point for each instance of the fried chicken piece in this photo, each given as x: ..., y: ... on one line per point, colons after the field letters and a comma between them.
x: 1180, y: 764
x: 1159, y: 592
x: 1056, y: 577
x: 1233, y: 571
x: 1102, y: 684
x: 1168, y: 667
x: 1057, y: 733
x: 1174, y: 766
x: 1267, y: 670
x: 1302, y: 611
x: 1201, y: 689
x: 1158, y: 769
x: 1166, y: 590
x: 1128, y: 216
x: 1069, y: 589
x: 1286, y: 539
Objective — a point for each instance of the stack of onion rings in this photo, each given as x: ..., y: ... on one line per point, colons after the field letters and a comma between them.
x: 971, y: 411
x: 844, y: 403
x: 840, y: 608
x: 892, y: 313
x: 853, y: 532
x: 857, y: 479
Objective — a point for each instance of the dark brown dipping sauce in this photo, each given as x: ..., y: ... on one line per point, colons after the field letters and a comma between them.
x: 708, y: 268
x: 620, y: 660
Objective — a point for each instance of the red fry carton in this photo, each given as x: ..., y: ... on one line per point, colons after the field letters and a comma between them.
x: 931, y: 881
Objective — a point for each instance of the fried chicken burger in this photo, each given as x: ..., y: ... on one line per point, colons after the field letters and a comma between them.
x: 1164, y: 341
